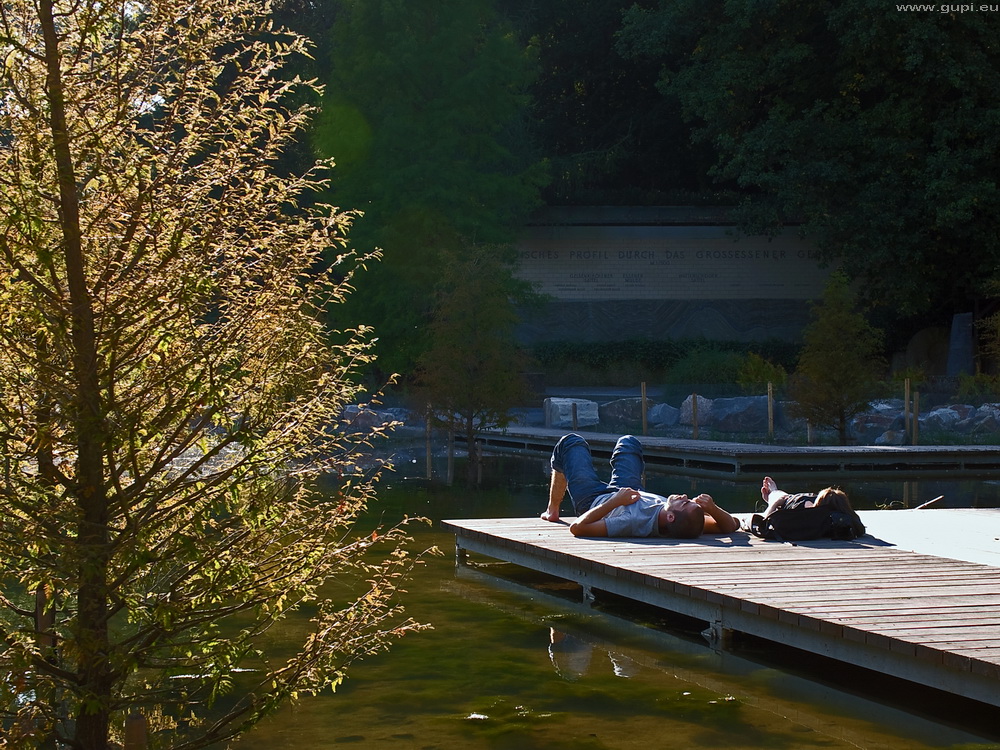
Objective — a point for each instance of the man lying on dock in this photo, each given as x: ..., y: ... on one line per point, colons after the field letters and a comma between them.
x: 621, y: 507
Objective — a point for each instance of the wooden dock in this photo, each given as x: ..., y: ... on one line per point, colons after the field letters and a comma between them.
x: 708, y: 458
x: 878, y: 602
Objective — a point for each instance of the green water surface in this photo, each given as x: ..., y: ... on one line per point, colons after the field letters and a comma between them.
x: 516, y: 661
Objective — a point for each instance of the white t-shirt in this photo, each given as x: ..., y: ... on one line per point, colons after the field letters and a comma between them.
x: 638, y: 519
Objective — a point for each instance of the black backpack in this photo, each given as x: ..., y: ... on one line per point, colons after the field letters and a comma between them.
x: 799, y: 523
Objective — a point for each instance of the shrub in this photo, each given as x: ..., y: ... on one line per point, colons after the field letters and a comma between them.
x: 978, y: 386
x: 706, y: 364
x: 756, y: 372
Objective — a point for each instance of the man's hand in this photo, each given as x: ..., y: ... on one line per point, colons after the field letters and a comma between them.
x: 718, y: 521
x: 557, y: 488
x: 624, y: 496
x: 707, y: 503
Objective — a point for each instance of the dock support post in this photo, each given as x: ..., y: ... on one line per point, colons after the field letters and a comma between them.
x: 461, y: 555
x: 906, y: 407
x: 428, y: 454
x: 644, y: 407
x: 770, y: 411
x: 717, y: 634
x: 450, y: 478
x: 588, y: 595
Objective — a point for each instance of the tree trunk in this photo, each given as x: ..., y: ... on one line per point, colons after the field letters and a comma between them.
x: 470, y: 441
x: 93, y: 665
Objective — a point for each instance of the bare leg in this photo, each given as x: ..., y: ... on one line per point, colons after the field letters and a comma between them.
x: 557, y: 489
x: 774, y: 497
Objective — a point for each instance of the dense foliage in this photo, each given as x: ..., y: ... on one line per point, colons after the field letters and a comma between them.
x: 168, y: 392
x: 870, y: 129
x: 424, y: 112
x: 658, y: 356
x: 876, y: 128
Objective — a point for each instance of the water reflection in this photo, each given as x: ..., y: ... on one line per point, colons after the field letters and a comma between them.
x: 518, y: 662
x: 572, y: 657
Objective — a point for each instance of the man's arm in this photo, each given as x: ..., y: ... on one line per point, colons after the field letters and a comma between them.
x: 557, y: 488
x: 592, y: 522
x: 717, y: 520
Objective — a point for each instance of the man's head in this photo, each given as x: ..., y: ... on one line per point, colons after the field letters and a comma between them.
x: 681, y: 518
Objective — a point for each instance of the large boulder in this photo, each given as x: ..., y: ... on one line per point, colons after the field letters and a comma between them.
x: 986, y: 420
x: 623, y: 411
x: 663, y: 415
x: 362, y: 418
x: 942, y: 418
x: 867, y: 427
x: 891, y: 437
x: 739, y: 414
x: 559, y: 412
x: 887, y: 406
x: 964, y: 411
x: 704, y: 411
x: 408, y: 417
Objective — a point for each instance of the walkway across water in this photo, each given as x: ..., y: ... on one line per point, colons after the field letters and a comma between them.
x: 708, y: 458
x: 881, y: 602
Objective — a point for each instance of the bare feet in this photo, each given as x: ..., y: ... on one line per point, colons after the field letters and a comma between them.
x: 767, y: 488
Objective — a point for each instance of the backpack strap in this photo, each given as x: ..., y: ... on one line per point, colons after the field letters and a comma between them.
x: 761, y: 526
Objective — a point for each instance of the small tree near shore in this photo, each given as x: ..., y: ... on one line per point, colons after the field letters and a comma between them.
x: 167, y: 392
x: 840, y: 363
x: 473, y: 372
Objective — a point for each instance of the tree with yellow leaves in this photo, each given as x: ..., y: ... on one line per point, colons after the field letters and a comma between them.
x: 168, y: 394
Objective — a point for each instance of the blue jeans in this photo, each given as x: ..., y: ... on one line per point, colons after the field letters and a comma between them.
x: 571, y: 457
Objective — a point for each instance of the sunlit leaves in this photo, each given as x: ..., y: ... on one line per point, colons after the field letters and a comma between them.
x: 216, y: 382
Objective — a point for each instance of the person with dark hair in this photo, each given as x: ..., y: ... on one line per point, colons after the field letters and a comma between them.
x: 620, y: 507
x: 778, y: 499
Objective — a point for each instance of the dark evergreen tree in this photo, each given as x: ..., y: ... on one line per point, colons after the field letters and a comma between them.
x: 840, y: 363
x: 472, y: 374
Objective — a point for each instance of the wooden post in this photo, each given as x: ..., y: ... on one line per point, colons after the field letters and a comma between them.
x: 451, y: 454
x: 644, y: 407
x: 479, y: 463
x: 427, y: 445
x: 770, y: 410
x: 694, y: 415
x: 574, y: 417
x: 906, y: 406
x: 916, y: 417
x: 135, y: 732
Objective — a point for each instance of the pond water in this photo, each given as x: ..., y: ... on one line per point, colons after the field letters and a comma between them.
x: 516, y: 661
